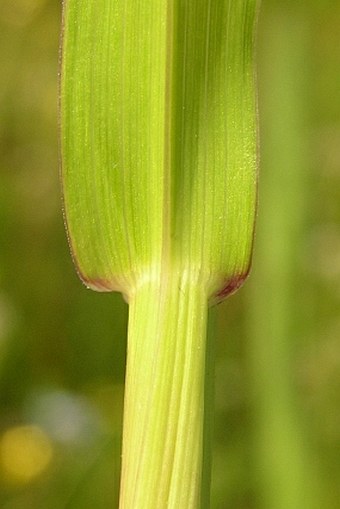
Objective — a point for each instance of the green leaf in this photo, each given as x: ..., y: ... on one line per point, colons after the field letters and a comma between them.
x: 158, y: 128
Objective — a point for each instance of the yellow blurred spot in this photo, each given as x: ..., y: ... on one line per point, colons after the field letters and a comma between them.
x: 25, y: 452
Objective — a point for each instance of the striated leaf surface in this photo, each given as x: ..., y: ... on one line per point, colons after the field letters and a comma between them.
x: 158, y: 128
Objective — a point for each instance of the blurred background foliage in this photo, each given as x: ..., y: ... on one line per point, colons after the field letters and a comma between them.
x: 62, y: 347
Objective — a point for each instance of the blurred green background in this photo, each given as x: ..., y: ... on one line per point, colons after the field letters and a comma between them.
x: 62, y: 347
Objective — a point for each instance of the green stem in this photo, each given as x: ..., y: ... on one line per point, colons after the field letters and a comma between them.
x: 164, y: 396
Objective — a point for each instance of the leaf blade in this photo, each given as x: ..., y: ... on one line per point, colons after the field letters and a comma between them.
x: 159, y: 140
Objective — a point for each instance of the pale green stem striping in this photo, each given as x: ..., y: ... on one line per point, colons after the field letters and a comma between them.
x: 164, y: 396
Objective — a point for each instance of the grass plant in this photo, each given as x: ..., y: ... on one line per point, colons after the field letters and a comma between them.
x: 285, y: 466
x: 158, y: 138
